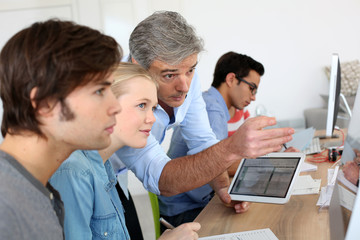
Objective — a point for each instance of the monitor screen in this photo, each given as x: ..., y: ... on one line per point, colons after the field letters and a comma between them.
x: 334, y: 95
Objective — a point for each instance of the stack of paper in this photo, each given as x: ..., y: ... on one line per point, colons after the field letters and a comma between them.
x: 347, y: 198
x: 326, y: 192
x: 307, y: 167
x: 306, y: 185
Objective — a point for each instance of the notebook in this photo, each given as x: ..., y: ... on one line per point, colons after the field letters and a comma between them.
x: 260, y: 234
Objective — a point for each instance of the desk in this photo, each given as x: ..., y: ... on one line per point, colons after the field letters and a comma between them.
x: 298, y: 219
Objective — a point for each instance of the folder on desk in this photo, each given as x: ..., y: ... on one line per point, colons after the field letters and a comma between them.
x: 302, y: 139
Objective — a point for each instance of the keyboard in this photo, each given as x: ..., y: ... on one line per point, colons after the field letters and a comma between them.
x: 314, y: 146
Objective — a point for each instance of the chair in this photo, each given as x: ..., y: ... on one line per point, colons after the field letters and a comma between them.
x: 156, y: 213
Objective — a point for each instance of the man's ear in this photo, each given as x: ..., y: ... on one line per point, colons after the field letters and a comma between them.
x: 44, y: 107
x: 230, y: 79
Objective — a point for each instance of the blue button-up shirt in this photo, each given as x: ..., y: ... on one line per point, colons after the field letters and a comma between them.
x: 191, y: 117
x: 93, y: 209
x: 218, y: 117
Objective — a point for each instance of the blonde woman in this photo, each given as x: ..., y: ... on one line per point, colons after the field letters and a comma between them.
x: 86, y: 180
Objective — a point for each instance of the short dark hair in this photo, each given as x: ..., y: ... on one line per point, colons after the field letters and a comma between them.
x: 237, y: 63
x: 56, y: 57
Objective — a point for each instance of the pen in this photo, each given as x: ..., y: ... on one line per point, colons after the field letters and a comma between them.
x: 285, y: 146
x: 166, y: 223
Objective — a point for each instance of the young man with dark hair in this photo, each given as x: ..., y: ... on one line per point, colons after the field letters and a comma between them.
x: 55, y: 88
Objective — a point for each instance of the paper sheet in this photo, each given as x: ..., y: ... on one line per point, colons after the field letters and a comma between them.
x: 307, y: 167
x: 326, y: 192
x: 325, y: 196
x: 302, y: 139
x: 305, y: 184
x: 260, y: 234
x: 347, y: 198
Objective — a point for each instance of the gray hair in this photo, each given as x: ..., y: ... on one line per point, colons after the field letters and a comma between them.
x: 164, y: 36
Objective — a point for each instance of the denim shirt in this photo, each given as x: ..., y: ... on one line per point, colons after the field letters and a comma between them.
x: 93, y: 209
x: 147, y: 163
x: 199, y: 197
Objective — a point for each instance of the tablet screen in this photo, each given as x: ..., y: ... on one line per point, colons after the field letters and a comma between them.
x: 265, y: 176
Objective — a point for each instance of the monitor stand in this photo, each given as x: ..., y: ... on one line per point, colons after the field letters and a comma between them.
x: 346, y: 104
x: 349, y: 113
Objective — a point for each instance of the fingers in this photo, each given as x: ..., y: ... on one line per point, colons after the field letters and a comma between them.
x: 276, y: 133
x: 242, y: 207
x: 195, y: 226
x: 192, y: 227
x: 251, y: 140
x: 261, y: 122
x: 258, y: 147
x: 224, y: 196
x: 292, y: 149
x: 183, y: 232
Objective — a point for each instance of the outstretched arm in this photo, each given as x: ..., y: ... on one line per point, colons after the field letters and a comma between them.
x: 250, y: 140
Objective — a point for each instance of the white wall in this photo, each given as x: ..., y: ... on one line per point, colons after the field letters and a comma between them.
x: 293, y: 39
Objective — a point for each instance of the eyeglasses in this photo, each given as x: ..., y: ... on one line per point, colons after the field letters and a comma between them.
x: 252, y: 86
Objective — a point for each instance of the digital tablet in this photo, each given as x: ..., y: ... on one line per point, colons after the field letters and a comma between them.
x: 266, y: 179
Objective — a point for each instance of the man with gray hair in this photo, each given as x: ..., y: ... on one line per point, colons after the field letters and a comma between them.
x: 166, y: 45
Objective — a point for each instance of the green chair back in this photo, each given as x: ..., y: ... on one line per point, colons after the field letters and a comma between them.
x: 156, y: 213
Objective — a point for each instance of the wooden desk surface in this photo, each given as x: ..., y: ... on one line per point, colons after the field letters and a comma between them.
x: 300, y: 218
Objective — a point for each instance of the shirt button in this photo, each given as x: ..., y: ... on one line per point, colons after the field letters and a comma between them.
x: 105, y: 234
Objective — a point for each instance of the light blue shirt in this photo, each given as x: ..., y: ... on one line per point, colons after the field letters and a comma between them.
x: 191, y: 117
x: 93, y: 209
x: 218, y: 117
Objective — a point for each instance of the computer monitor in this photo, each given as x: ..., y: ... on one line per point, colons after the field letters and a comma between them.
x: 334, y: 96
x: 339, y: 227
x: 352, y: 140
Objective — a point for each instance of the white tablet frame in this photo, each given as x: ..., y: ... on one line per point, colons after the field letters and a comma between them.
x: 269, y: 199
